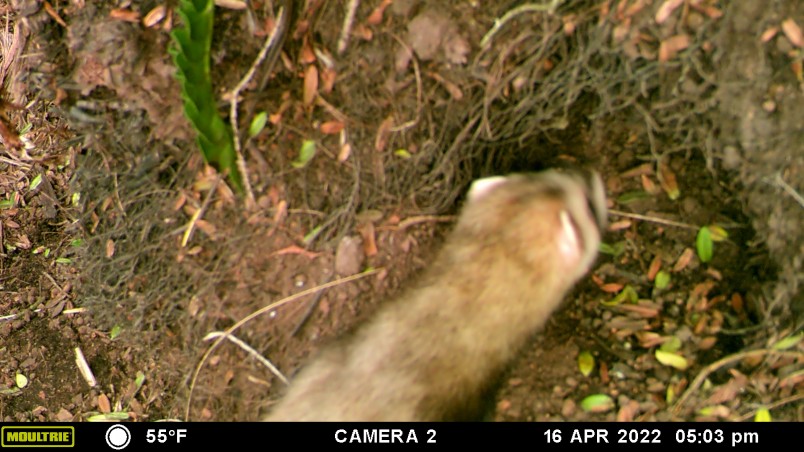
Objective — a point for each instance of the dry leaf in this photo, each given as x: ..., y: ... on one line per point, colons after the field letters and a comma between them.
x: 643, y: 310
x: 670, y: 47
x: 649, y: 186
x: 104, y: 406
x: 293, y: 249
x: 331, y: 127
x: 54, y: 15
x: 655, y: 266
x: 375, y: 18
x: 328, y: 77
x: 668, y: 182
x: 154, y: 16
x: 363, y: 32
x: 306, y: 54
x: 369, y: 239
x: 666, y: 10
x: 452, y: 88
x: 793, y: 32
x: 231, y: 4
x: 310, y: 85
x: 620, y: 225
x: 611, y: 287
x: 769, y: 34
x: 645, y: 168
x: 344, y: 152
x: 628, y: 411
x: 124, y: 14
x: 684, y: 260
x: 109, y: 248
x: 381, y: 140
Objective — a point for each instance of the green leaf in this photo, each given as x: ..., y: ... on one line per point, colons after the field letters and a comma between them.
x: 402, y: 153
x: 77, y: 242
x: 6, y: 203
x: 306, y: 153
x: 662, y: 280
x: 597, y: 403
x: 257, y: 124
x: 788, y: 342
x: 21, y: 380
x: 615, y: 250
x: 703, y: 243
x: 763, y: 415
x: 116, y: 330
x: 672, y: 345
x: 76, y: 198
x: 672, y: 359
x: 140, y: 380
x: 586, y: 363
x: 109, y: 417
x: 35, y: 182
x: 627, y: 294
x: 632, y: 196
x: 312, y: 235
x: 191, y: 56
x: 63, y: 260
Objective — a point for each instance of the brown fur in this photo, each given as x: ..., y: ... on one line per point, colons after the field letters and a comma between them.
x: 432, y: 353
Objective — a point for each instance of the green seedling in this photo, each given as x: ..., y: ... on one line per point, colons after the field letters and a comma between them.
x: 191, y: 55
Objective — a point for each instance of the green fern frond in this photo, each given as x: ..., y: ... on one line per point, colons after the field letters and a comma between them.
x: 191, y: 56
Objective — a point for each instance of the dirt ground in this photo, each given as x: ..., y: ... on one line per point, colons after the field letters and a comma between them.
x: 120, y: 245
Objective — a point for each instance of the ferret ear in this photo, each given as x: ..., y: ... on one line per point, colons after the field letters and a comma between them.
x: 482, y: 187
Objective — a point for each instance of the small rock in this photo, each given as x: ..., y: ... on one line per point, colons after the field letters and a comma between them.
x: 349, y: 257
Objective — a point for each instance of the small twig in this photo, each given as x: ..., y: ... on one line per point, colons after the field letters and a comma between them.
x: 188, y: 231
x: 658, y: 220
x: 233, y: 103
x: 522, y: 9
x: 309, y: 312
x: 84, y: 368
x: 66, y: 311
x: 348, y: 21
x: 720, y: 363
x: 776, y: 404
x: 779, y: 182
x: 250, y: 350
x: 258, y: 313
x: 410, y: 221
x: 53, y: 281
x: 417, y: 72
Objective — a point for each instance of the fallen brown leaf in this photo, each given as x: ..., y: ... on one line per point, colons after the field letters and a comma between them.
x: 383, y: 131
x: 684, y: 260
x: 369, y: 239
x: 375, y: 18
x: 628, y: 411
x: 655, y: 266
x: 53, y: 14
x: 104, y: 406
x: 611, y: 287
x: 670, y: 47
x: 666, y: 10
x: 768, y: 34
x: 293, y: 249
x: 125, y: 14
x: 154, y: 16
x: 310, y: 85
x: 331, y: 127
x: 793, y: 32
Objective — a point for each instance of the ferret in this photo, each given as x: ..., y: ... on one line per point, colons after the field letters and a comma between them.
x: 433, y: 354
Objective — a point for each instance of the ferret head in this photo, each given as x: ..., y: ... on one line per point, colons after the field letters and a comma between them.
x: 558, y: 209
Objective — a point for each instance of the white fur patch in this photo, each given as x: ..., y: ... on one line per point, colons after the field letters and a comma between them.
x: 482, y: 187
x: 569, y: 245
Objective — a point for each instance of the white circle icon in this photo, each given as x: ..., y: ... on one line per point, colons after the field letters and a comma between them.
x: 118, y: 437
